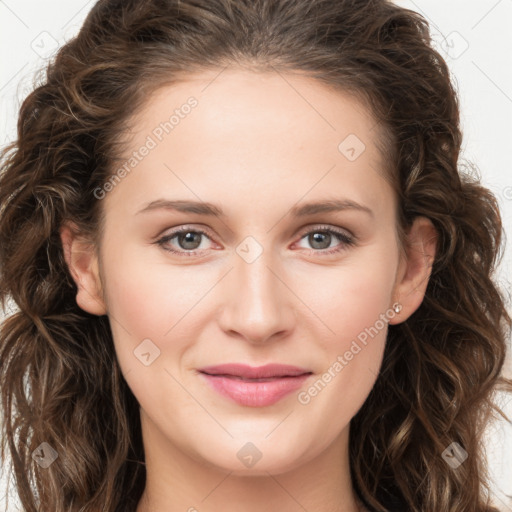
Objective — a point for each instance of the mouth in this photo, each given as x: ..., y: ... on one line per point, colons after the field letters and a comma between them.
x: 243, y: 371
x: 255, y: 386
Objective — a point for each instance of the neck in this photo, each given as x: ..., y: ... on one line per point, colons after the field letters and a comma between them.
x: 176, y: 481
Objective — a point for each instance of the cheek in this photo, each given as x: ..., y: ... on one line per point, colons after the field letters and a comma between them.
x: 143, y: 301
x: 354, y: 303
x: 148, y: 299
x: 352, y: 297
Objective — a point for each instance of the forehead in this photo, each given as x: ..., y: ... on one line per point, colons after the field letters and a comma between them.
x: 233, y: 98
x: 239, y: 129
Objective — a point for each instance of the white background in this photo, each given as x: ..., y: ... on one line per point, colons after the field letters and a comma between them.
x: 475, y: 37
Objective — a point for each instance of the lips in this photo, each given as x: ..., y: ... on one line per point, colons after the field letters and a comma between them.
x: 255, y: 386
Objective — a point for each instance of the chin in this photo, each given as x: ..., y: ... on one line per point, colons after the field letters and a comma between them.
x: 257, y: 458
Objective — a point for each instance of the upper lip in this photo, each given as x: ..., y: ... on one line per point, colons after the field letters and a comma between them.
x: 255, y: 372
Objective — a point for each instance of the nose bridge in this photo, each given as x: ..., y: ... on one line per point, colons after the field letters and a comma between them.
x: 257, y: 306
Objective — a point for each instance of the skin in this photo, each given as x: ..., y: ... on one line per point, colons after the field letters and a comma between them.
x: 256, y: 145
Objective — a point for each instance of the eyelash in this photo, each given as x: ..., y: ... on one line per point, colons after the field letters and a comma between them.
x: 347, y: 241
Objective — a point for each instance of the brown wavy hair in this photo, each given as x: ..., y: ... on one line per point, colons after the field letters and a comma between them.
x: 60, y: 380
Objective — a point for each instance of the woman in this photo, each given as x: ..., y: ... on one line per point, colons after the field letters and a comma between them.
x: 249, y: 274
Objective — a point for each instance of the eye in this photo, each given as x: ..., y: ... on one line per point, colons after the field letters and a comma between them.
x: 321, y: 238
x: 188, y: 241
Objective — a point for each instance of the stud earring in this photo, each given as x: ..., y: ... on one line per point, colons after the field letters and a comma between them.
x: 397, y: 307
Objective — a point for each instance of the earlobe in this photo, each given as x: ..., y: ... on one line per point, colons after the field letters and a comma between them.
x: 82, y: 262
x: 415, y: 268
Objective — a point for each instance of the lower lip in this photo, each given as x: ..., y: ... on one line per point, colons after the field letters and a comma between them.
x: 253, y: 393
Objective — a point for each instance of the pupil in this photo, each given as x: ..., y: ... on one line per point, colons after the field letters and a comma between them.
x: 317, y: 237
x: 188, y: 238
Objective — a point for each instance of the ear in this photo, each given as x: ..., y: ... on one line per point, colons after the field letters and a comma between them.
x: 414, y: 268
x: 82, y: 261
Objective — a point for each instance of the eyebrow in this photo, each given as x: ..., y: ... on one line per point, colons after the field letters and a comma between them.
x: 209, y: 209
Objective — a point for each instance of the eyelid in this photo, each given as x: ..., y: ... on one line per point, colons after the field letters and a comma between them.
x: 183, y: 227
x: 325, y: 227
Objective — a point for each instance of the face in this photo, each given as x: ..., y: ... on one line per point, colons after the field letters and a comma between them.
x: 253, y: 273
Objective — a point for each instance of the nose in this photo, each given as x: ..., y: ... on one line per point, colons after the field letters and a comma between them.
x: 257, y: 305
